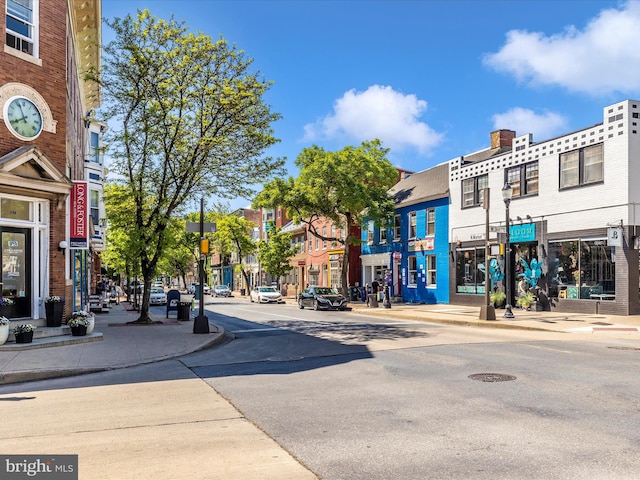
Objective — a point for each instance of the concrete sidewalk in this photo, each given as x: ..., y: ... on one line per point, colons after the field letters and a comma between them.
x: 122, y: 346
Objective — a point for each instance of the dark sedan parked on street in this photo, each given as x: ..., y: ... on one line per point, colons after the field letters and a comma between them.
x: 322, y: 298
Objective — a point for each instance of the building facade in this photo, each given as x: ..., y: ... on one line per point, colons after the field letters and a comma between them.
x: 411, y: 255
x: 573, y: 217
x: 44, y: 102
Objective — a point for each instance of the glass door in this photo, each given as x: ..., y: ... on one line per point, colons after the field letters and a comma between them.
x: 16, y: 271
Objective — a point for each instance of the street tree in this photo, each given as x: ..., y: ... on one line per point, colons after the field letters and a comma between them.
x: 274, y: 254
x: 345, y: 187
x: 234, y: 235
x: 187, y: 121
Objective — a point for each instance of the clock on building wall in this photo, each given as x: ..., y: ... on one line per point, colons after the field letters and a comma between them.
x: 25, y: 112
x: 23, y: 118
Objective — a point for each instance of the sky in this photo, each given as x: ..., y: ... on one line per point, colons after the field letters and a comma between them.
x: 431, y: 79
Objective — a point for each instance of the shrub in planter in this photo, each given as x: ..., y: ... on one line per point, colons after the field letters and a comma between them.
x: 24, y: 332
x: 498, y: 298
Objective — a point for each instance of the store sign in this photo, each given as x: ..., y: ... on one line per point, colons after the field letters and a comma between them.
x: 397, y: 256
x: 79, y: 216
x: 522, y: 233
x: 614, y: 237
x: 421, y: 245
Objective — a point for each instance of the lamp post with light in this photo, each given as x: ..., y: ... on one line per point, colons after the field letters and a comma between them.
x: 507, y: 192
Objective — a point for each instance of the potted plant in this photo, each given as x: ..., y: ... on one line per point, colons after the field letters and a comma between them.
x: 6, y: 307
x: 80, y: 322
x: 498, y: 298
x: 24, y: 332
x: 54, y: 308
x: 526, y: 299
x: 4, y: 329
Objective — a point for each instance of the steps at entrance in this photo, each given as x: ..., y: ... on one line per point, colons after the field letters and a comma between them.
x: 44, y: 337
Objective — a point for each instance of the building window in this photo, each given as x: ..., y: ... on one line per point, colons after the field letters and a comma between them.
x: 473, y: 190
x: 95, y: 148
x: 523, y: 179
x: 581, y: 269
x: 582, y: 167
x: 383, y: 233
x: 317, y: 243
x: 470, y: 278
x: 397, y: 222
x: 431, y: 221
x: 21, y: 26
x: 370, y: 232
x: 412, y: 278
x: 310, y: 242
x: 324, y: 234
x: 431, y: 271
x: 95, y: 206
x: 413, y: 225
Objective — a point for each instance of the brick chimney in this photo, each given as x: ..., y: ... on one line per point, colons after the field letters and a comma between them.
x: 502, y: 138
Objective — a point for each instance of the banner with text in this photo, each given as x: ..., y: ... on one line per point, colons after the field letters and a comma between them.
x: 79, y: 216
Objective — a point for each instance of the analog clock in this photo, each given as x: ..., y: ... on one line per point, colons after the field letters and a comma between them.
x: 23, y: 118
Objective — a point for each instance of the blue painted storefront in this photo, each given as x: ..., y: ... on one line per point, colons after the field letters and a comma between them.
x: 421, y: 247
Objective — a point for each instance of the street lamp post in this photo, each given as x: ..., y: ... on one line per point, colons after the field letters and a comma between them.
x: 507, y: 191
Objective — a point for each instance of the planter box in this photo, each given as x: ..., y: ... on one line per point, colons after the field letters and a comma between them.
x: 54, y: 311
x: 25, y: 337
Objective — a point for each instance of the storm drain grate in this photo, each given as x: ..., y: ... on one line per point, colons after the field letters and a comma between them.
x: 492, y: 377
x: 285, y: 358
x: 624, y: 348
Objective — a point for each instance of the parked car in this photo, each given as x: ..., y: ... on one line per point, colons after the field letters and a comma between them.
x: 157, y: 296
x: 322, y: 298
x: 221, y: 291
x: 136, y: 285
x: 265, y: 295
x: 192, y: 288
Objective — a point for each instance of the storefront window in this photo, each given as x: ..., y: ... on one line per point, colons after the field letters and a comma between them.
x: 582, y: 269
x: 412, y: 279
x: 470, y: 275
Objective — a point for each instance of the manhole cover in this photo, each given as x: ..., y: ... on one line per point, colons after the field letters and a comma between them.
x: 624, y: 348
x: 492, y: 377
x: 285, y: 358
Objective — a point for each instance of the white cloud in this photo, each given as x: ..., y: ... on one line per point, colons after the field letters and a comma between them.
x: 378, y: 112
x: 523, y: 121
x: 601, y: 59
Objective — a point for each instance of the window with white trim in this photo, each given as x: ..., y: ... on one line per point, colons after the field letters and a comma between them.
x: 413, y: 225
x: 397, y: 227
x: 324, y: 234
x: 412, y: 270
x: 370, y: 232
x: 21, y: 30
x: 383, y: 233
x: 431, y: 221
x: 431, y: 271
x: 523, y: 179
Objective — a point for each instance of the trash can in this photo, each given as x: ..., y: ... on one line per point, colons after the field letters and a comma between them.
x: 184, y: 311
x: 353, y: 293
x: 242, y: 292
x: 372, y: 301
x: 197, y: 293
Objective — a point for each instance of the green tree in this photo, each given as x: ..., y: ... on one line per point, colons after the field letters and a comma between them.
x: 188, y: 122
x: 346, y: 187
x: 274, y: 254
x: 233, y: 234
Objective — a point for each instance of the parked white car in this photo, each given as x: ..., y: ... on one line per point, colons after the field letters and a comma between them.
x: 193, y: 286
x: 221, y: 291
x: 157, y: 296
x: 265, y: 295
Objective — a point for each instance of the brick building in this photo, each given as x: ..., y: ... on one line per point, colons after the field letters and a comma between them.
x: 44, y: 134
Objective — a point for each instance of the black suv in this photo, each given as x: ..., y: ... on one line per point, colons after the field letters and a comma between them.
x: 322, y: 298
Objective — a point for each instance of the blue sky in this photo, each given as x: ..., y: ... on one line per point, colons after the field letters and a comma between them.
x: 431, y: 79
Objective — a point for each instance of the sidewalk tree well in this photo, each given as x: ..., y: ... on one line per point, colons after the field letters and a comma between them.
x: 187, y: 120
x: 344, y: 186
x: 274, y: 254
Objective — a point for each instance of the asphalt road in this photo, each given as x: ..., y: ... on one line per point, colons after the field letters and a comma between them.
x: 354, y: 397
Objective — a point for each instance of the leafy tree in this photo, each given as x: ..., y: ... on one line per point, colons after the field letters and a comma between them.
x: 233, y: 234
x: 275, y: 253
x: 188, y: 122
x: 344, y: 186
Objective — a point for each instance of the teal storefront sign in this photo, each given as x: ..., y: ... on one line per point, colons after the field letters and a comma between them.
x: 522, y: 233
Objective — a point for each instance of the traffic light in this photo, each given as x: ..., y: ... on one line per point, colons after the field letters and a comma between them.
x: 204, y: 246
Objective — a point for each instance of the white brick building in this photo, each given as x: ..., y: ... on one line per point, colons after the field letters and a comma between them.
x: 571, y: 195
